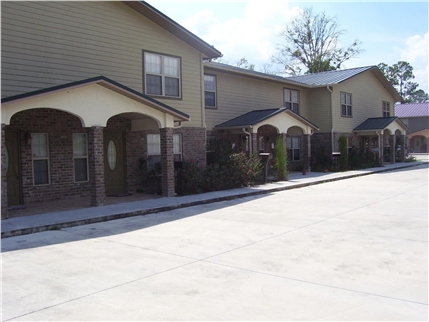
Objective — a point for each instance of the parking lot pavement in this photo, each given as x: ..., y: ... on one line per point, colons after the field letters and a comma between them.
x: 355, y: 249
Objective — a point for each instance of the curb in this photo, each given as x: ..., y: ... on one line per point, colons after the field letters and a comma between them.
x: 59, y: 226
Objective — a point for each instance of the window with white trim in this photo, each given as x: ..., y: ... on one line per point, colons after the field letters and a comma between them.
x: 210, y: 91
x: 386, y: 109
x: 40, y: 154
x: 292, y: 147
x: 292, y: 100
x: 346, y: 104
x: 154, y: 149
x: 80, y: 157
x: 162, y: 75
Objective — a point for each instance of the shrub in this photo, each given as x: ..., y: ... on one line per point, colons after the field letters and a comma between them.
x: 342, y: 142
x: 280, y: 159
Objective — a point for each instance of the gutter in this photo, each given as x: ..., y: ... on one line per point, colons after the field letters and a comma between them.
x: 332, y: 120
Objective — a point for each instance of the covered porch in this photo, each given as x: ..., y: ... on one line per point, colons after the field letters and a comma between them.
x: 256, y: 132
x: 383, y: 136
x: 82, y: 141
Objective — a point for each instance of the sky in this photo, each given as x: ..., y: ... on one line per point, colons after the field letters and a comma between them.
x: 390, y: 31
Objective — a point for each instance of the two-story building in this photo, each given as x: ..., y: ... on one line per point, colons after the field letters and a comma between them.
x: 357, y: 103
x: 91, y: 88
x: 93, y: 91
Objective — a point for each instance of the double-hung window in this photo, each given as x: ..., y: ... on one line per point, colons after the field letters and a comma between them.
x: 210, y: 91
x: 80, y: 157
x: 40, y: 154
x: 346, y: 104
x: 154, y: 149
x: 386, y: 109
x: 162, y: 75
x: 292, y: 100
x: 292, y: 144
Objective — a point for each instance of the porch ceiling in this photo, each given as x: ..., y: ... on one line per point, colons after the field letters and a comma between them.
x: 94, y: 101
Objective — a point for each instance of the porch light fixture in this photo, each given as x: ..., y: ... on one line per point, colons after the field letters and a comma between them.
x: 28, y: 138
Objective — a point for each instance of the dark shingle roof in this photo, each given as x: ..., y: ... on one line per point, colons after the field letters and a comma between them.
x: 330, y: 77
x: 412, y: 109
x: 251, y: 118
x: 376, y: 123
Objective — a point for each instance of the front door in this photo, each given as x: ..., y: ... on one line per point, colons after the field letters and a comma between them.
x: 114, y: 163
x: 13, y: 169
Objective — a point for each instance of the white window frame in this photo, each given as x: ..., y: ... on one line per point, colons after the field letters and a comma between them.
x: 291, y: 98
x: 81, y: 157
x: 214, y: 79
x: 162, y: 73
x: 346, y: 104
x: 386, y: 109
x: 154, y: 148
x: 291, y: 142
x: 40, y: 158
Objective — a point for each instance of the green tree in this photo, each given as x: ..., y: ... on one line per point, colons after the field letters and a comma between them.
x: 311, y: 42
x: 400, y: 75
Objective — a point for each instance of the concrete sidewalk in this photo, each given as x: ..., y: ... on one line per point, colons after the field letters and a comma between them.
x: 57, y: 220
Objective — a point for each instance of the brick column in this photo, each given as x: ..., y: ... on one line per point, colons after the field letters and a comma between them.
x: 392, y: 148
x: 305, y: 151
x: 402, y: 148
x: 167, y: 162
x: 4, y: 210
x: 254, y: 143
x: 96, y: 166
x: 381, y: 147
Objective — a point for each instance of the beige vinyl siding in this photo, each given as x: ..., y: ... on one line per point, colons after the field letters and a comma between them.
x: 52, y: 43
x: 237, y: 95
x: 368, y: 95
x: 319, y: 108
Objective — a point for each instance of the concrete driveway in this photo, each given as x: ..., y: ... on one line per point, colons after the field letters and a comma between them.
x: 355, y: 249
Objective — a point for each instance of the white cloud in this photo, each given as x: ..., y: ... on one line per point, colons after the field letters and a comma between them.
x: 253, y: 35
x: 416, y: 53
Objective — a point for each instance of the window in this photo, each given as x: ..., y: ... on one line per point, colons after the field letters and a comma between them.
x: 292, y: 100
x: 40, y: 153
x: 162, y: 75
x: 210, y: 91
x: 154, y: 149
x: 386, y: 109
x: 292, y: 144
x: 80, y: 157
x: 346, y: 104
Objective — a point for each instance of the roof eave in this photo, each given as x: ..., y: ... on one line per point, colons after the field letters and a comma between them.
x: 173, y: 27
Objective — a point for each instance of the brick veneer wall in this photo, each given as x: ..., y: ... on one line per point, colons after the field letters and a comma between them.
x: 4, y: 210
x: 59, y: 126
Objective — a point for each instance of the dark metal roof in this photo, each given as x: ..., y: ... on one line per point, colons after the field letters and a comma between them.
x: 330, y: 77
x: 254, y: 117
x: 173, y: 27
x: 376, y: 123
x: 412, y: 109
x: 251, y: 118
x: 108, y: 83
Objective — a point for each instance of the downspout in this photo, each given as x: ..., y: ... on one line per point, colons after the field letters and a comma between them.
x: 250, y: 139
x: 203, y: 103
x: 332, y: 120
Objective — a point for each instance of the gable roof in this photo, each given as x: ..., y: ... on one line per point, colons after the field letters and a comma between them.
x: 378, y: 123
x: 257, y: 116
x: 412, y: 109
x: 110, y: 84
x: 173, y: 27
